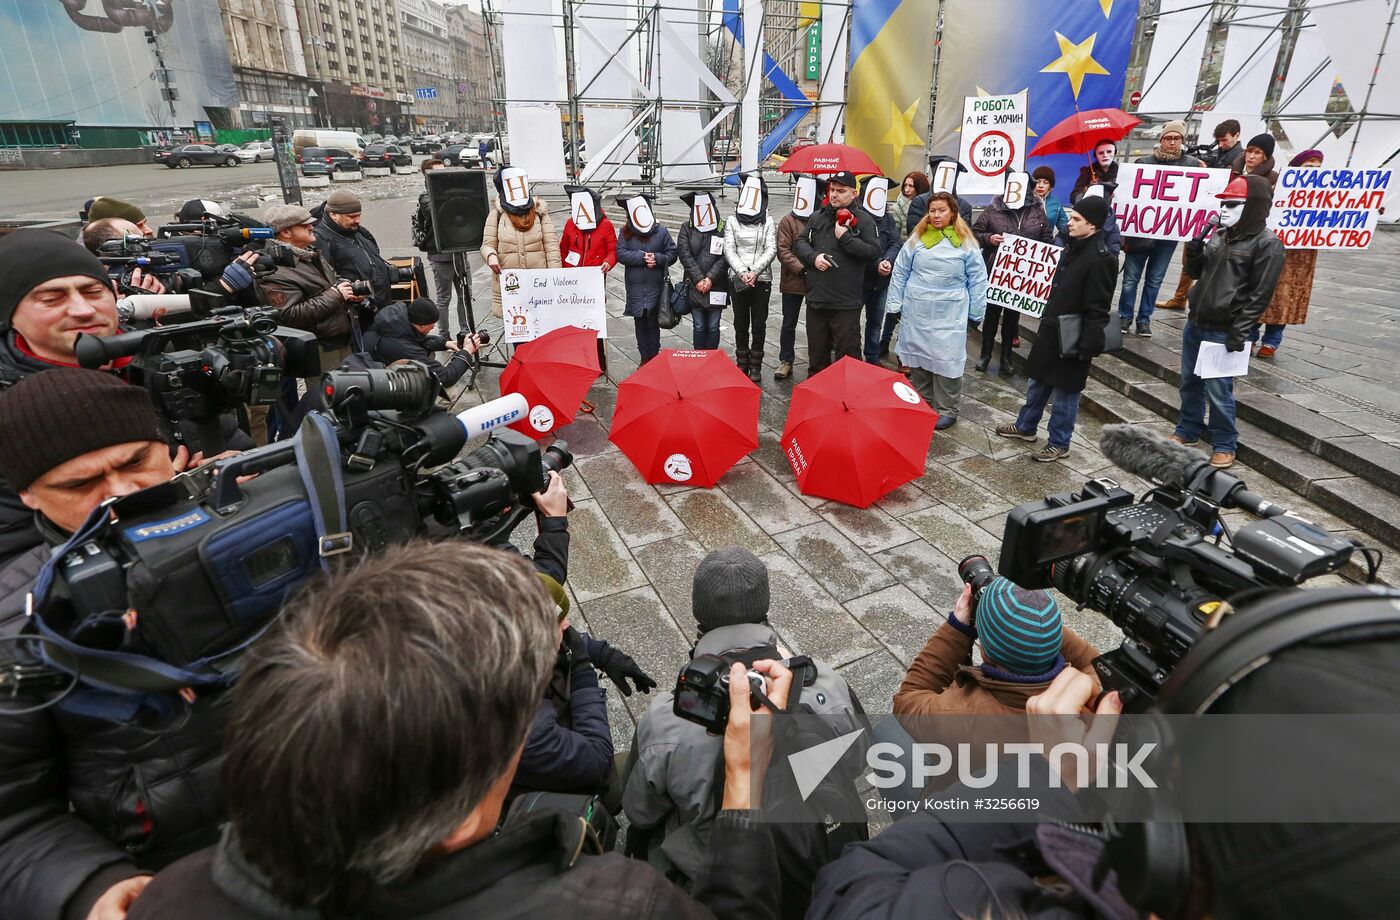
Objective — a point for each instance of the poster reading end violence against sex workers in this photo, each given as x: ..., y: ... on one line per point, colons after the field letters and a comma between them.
x: 1166, y: 202
x: 1328, y: 208
x: 1021, y: 274
x: 538, y: 300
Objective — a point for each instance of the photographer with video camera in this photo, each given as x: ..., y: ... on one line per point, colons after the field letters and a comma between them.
x: 352, y: 250
x: 399, y: 814
x: 96, y: 792
x: 115, y: 236
x: 403, y: 332
x: 106, y: 208
x: 673, y: 787
x: 309, y: 295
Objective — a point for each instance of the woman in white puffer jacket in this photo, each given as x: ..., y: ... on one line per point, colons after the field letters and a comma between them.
x: 750, y: 245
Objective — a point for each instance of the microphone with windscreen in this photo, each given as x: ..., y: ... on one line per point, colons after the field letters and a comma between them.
x: 1148, y: 456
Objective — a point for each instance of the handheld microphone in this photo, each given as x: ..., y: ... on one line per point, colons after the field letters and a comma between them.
x: 1144, y: 454
x: 502, y: 411
x: 142, y: 307
x: 1211, y: 223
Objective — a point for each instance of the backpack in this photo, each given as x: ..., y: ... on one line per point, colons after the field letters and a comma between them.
x: 422, y: 225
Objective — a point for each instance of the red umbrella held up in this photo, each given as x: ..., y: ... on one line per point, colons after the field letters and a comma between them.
x: 855, y: 432
x: 1082, y: 130
x: 825, y: 159
x: 686, y: 417
x: 553, y: 373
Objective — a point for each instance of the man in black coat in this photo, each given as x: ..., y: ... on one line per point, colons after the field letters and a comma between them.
x: 101, y: 789
x: 1238, y: 269
x: 401, y: 332
x: 840, y: 241
x: 351, y: 249
x: 386, y: 807
x: 1083, y: 287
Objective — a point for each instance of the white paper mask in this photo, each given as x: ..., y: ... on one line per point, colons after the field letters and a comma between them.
x: 581, y: 210
x: 639, y: 213
x: 1094, y: 190
x: 750, y: 197
x: 877, y: 195
x: 1018, y: 189
x: 515, y: 187
x: 1231, y: 212
x: 703, y: 213
x: 945, y: 177
x: 804, y: 196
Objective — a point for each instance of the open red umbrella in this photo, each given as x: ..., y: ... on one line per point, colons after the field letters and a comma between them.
x: 553, y: 373
x: 1082, y: 130
x: 825, y: 159
x: 686, y: 417
x: 856, y: 431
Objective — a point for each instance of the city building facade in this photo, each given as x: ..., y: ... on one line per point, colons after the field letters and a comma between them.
x: 471, y: 68
x: 269, y: 64
x: 427, y: 54
x: 354, y: 59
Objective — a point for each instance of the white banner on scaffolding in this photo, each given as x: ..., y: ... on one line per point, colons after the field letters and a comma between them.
x: 606, y: 71
x: 1169, y: 85
x: 532, y: 89
x: 678, y: 72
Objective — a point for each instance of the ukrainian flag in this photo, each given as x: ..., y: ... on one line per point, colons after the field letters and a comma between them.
x: 887, y: 95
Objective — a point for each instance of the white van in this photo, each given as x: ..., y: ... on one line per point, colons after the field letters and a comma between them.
x: 321, y: 137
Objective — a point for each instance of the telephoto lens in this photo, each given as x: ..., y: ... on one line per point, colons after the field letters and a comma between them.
x: 361, y: 289
x: 975, y: 570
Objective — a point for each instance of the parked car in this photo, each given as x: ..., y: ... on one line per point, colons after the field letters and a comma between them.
x: 460, y: 155
x: 320, y: 137
x: 803, y: 142
x: 422, y: 145
x: 386, y: 155
x: 255, y: 151
x: 187, y: 155
x: 327, y: 161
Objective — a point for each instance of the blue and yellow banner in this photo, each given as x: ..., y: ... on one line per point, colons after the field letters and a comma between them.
x: 1066, y: 55
x: 887, y: 96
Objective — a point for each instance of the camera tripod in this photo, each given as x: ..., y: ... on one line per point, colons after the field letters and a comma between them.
x: 461, y: 282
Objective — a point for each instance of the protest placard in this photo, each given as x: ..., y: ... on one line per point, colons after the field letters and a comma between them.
x: 1328, y: 208
x: 993, y: 142
x: 1166, y: 202
x: 1022, y: 273
x: 537, y: 300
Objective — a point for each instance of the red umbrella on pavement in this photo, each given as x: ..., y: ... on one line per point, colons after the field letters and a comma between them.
x: 553, y: 373
x: 856, y: 431
x: 686, y: 417
x: 825, y: 159
x: 1082, y: 130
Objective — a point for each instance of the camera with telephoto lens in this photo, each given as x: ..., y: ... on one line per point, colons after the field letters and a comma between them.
x: 976, y: 570
x: 400, y: 274
x: 361, y: 288
x: 702, y: 690
x: 275, y: 254
x: 200, y: 370
x: 1159, y: 567
x: 124, y: 256
x: 177, y: 580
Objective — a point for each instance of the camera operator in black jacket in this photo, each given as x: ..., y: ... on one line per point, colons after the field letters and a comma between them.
x: 99, y: 790
x: 351, y: 249
x: 342, y: 822
x: 839, y: 242
x: 401, y: 332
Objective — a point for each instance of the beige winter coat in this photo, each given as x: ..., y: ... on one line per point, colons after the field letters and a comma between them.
x: 537, y: 247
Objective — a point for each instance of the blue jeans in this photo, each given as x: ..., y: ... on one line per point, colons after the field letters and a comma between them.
x: 1156, y: 257
x: 648, y: 335
x: 1064, y: 409
x: 1196, y: 392
x: 1273, y: 334
x: 874, y: 320
x: 706, y: 322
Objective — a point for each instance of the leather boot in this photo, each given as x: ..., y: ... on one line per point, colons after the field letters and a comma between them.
x: 755, y: 369
x: 1004, y: 368
x: 741, y: 359
x: 1178, y: 299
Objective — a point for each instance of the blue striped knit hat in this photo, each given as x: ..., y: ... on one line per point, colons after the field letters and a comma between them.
x: 1019, y: 628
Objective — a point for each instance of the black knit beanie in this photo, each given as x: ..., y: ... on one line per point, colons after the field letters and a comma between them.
x: 28, y: 258
x: 421, y: 311
x: 51, y: 417
x: 1264, y: 142
x: 731, y: 586
x: 1093, y: 208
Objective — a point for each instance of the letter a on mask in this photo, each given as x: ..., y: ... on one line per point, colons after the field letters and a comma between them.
x: 804, y: 196
x: 750, y: 197
x: 704, y: 215
x: 581, y: 204
x: 1017, y: 184
x: 877, y: 195
x: 516, y: 186
x: 639, y: 213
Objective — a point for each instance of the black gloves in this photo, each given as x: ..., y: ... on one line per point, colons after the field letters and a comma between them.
x: 1234, y: 342
x: 578, y: 649
x: 619, y: 666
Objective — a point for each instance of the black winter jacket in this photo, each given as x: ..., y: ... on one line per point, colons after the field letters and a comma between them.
x: 393, y: 338
x: 918, y: 207
x: 90, y: 795
x: 1030, y: 221
x: 354, y: 254
x: 1083, y: 285
x: 693, y: 247
x: 645, y: 285
x: 841, y: 287
x: 536, y: 868
x: 890, y: 239
x: 1237, y: 279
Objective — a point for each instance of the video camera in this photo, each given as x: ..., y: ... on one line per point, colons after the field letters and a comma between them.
x: 197, y: 371
x: 175, y: 581
x: 211, y: 243
x: 123, y: 256
x: 1156, y: 567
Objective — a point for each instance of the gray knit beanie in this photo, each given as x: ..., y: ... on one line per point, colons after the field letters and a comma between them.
x: 731, y: 586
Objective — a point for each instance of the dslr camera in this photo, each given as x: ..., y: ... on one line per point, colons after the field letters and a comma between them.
x: 702, y: 689
x: 1165, y: 567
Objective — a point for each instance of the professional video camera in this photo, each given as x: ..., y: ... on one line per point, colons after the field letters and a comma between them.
x: 123, y: 256
x: 197, y: 371
x: 210, y: 244
x: 1157, y: 567
x: 175, y: 581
